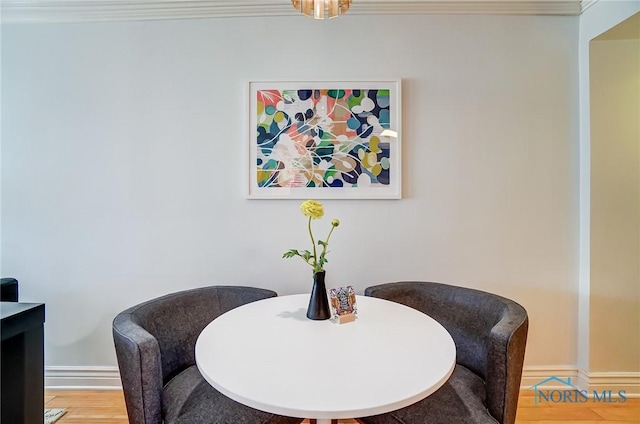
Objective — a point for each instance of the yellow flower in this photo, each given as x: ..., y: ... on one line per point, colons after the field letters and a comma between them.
x: 312, y: 209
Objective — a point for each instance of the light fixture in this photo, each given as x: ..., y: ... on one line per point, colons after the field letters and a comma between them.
x: 321, y: 9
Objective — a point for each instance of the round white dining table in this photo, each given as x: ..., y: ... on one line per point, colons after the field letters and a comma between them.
x: 268, y: 355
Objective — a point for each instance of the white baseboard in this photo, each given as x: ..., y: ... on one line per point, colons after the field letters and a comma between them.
x: 614, y: 381
x: 533, y: 375
x: 82, y: 378
x: 108, y: 378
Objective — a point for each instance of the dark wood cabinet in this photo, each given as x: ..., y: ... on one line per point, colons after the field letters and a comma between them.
x: 22, y: 357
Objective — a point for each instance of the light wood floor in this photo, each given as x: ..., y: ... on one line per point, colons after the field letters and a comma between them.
x: 107, y: 407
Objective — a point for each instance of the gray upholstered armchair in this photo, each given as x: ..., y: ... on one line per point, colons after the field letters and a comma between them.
x: 155, y: 347
x: 490, y: 333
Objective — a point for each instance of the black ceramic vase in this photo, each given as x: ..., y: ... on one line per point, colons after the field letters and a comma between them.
x: 318, y: 303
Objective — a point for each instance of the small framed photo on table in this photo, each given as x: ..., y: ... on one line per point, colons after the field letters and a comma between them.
x: 343, y: 304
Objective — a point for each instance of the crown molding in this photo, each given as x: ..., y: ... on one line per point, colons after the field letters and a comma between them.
x: 585, y: 4
x: 53, y: 11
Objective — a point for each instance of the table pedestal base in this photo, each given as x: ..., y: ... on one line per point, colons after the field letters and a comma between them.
x: 323, y: 421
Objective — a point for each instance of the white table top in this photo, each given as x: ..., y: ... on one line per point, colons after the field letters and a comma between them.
x: 269, y: 356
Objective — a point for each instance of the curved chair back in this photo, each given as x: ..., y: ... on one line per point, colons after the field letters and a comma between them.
x: 8, y: 289
x: 155, y: 340
x: 489, y: 332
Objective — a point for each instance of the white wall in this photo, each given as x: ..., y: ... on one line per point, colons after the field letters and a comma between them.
x: 123, y: 159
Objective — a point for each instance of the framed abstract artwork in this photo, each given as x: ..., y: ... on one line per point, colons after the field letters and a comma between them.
x: 325, y: 139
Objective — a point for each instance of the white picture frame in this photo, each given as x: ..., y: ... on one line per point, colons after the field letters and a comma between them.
x: 329, y: 139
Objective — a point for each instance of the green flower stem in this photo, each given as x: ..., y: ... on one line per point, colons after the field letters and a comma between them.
x: 313, y: 243
x: 322, y: 260
x: 330, y: 232
x: 324, y: 247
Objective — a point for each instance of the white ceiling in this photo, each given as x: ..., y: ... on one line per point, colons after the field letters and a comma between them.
x: 33, y: 11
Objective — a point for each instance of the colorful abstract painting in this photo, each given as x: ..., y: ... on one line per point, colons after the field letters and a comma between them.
x: 324, y: 140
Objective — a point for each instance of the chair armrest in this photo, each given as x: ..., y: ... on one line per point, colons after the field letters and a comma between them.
x: 506, y: 347
x: 138, y: 355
